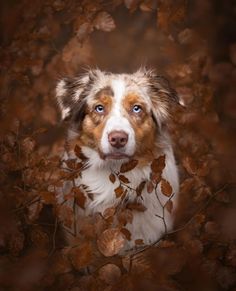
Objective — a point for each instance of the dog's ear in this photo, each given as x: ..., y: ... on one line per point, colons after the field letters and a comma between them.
x: 70, y: 92
x: 162, y: 95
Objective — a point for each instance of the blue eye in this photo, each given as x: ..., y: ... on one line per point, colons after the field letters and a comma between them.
x: 99, y: 108
x: 137, y: 109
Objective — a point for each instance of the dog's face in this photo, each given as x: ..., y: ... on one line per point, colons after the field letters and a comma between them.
x: 117, y: 115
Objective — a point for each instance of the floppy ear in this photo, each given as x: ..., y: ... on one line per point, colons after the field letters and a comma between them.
x: 69, y: 93
x: 163, y: 96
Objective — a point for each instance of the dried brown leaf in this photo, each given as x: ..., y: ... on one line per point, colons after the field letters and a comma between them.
x: 80, y: 197
x: 128, y: 166
x: 112, y: 178
x: 109, y: 212
x: 150, y: 187
x: 81, y: 256
x: 136, y: 206
x: 140, y: 188
x: 139, y: 242
x: 190, y: 165
x: 119, y: 191
x: 169, y: 206
x: 110, y: 273
x: 158, y: 164
x: 110, y: 242
x: 124, y: 179
x: 126, y: 233
x: 166, y: 188
x: 104, y: 22
x: 125, y: 216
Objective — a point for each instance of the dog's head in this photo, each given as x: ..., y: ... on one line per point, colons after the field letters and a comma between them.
x: 117, y: 115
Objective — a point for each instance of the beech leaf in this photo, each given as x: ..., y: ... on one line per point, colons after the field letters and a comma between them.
x: 110, y: 242
x: 166, y: 188
x: 128, y: 166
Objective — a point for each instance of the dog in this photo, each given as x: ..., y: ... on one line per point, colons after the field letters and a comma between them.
x: 120, y: 119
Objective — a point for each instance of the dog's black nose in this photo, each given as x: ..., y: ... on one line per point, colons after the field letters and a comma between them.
x: 118, y: 139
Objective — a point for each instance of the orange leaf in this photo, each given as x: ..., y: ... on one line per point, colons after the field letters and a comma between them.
x: 47, y: 197
x: 158, y: 164
x: 81, y: 256
x: 190, y: 165
x: 110, y: 242
x: 110, y: 273
x: 130, y: 165
x: 80, y: 197
x: 126, y: 233
x: 139, y: 242
x: 119, y: 191
x: 109, y: 212
x: 136, y: 206
x: 169, y: 206
x: 112, y: 178
x: 140, y: 188
x: 124, y: 179
x: 166, y: 188
x: 150, y: 187
x: 125, y: 216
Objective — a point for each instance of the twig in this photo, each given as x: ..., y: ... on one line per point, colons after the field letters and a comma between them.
x: 54, y: 237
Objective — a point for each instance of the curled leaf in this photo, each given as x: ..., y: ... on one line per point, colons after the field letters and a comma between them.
x: 80, y: 197
x: 140, y: 188
x: 119, y: 191
x: 166, y: 188
x: 104, y: 21
x: 158, y: 164
x: 124, y: 179
x: 110, y: 242
x: 112, y: 178
x: 136, y: 206
x: 110, y: 273
x: 128, y: 166
x: 150, y: 187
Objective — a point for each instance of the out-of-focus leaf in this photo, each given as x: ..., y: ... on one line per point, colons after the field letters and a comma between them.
x: 110, y: 242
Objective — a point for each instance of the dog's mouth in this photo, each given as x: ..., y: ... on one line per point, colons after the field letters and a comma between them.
x: 116, y: 156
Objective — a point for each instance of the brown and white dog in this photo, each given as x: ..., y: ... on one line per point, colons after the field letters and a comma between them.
x: 115, y: 118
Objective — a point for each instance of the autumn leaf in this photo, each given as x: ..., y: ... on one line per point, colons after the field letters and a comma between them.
x: 169, y: 206
x: 136, y: 206
x: 110, y: 273
x: 150, y: 187
x: 47, y: 197
x: 81, y: 256
x: 139, y: 242
x: 158, y: 164
x: 119, y: 191
x: 110, y: 242
x: 126, y: 233
x: 112, y: 178
x: 125, y: 216
x: 128, y: 166
x: 190, y: 165
x: 104, y: 22
x: 124, y: 179
x: 109, y: 212
x: 65, y: 214
x: 80, y: 197
x: 166, y: 188
x: 140, y: 188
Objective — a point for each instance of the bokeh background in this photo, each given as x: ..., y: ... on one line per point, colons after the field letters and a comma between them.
x: 193, y: 44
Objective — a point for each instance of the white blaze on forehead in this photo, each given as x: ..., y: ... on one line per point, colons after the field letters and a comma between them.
x: 117, y: 120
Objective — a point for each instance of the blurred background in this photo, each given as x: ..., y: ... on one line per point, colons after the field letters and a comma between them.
x: 193, y: 44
